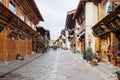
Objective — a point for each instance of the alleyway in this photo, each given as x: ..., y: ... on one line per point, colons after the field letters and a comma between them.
x: 58, y: 65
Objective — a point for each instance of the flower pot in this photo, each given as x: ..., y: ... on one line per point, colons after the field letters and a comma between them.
x: 93, y: 63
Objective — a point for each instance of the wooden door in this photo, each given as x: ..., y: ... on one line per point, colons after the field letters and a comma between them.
x: 29, y: 46
x: 22, y: 48
x: 11, y: 48
x: 1, y: 46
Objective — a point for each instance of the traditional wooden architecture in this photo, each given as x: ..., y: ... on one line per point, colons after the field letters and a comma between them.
x: 85, y: 17
x: 18, y: 20
x: 43, y: 41
x: 60, y: 41
x: 79, y: 18
x: 107, y: 31
x: 63, y: 39
x: 70, y: 27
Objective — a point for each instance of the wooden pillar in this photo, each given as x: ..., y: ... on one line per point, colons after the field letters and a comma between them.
x: 26, y: 19
x: 31, y: 24
x: 26, y: 46
x: 5, y: 54
x: 35, y: 45
x: 18, y: 12
x: 113, y: 48
x: 6, y: 3
x: 99, y: 12
x: 98, y: 46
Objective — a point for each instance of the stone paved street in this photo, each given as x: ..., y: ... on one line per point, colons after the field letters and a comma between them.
x: 59, y: 65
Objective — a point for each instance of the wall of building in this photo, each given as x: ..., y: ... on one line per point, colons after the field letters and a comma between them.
x: 13, y: 45
x: 91, y: 15
x: 67, y: 43
x: 77, y: 31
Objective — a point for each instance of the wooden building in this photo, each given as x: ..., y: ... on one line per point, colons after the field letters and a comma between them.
x: 80, y: 26
x: 43, y: 41
x: 85, y: 18
x: 18, y: 20
x: 107, y: 31
x: 70, y: 27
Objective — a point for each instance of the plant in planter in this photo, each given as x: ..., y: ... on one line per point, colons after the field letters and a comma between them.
x: 84, y: 55
x: 91, y: 56
x: 118, y: 75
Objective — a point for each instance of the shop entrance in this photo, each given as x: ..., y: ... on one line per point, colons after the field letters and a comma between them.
x: 117, y: 49
x: 105, y: 48
x: 118, y: 44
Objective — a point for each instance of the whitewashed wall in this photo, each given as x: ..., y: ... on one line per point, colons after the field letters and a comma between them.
x: 67, y: 43
x: 76, y: 33
x: 91, y: 14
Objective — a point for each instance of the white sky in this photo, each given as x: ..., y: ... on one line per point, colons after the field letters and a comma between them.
x: 54, y: 13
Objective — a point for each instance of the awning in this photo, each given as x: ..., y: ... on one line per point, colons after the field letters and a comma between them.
x: 81, y: 34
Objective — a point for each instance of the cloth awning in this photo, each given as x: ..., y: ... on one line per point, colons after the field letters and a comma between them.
x: 81, y: 34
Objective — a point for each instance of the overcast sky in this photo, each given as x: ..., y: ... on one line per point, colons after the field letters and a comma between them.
x: 54, y: 13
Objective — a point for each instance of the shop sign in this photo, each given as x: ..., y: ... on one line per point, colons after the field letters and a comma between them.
x: 114, y: 23
x: 99, y: 31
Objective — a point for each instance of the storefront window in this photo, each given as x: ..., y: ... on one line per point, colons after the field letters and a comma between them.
x: 12, y: 7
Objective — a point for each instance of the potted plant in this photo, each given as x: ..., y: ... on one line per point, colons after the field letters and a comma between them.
x: 91, y: 56
x: 118, y: 75
x: 84, y: 55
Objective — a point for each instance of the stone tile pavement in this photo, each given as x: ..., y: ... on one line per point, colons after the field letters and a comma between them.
x: 60, y: 65
x: 107, y: 71
x: 15, y: 64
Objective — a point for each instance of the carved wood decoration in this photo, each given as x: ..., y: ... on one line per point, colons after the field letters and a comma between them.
x: 114, y: 23
x: 15, y: 35
x: 12, y: 21
x: 25, y: 4
x: 111, y: 22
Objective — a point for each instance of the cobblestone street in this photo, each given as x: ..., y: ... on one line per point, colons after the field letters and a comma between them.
x: 58, y: 65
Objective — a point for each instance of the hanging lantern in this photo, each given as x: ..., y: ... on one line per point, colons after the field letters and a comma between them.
x: 12, y: 38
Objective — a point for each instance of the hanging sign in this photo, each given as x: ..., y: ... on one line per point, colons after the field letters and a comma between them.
x: 99, y: 31
x: 114, y: 23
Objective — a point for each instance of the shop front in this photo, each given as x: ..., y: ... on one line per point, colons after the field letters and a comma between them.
x: 82, y: 41
x: 105, y: 48
x: 15, y: 35
x: 1, y: 42
x: 108, y: 32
